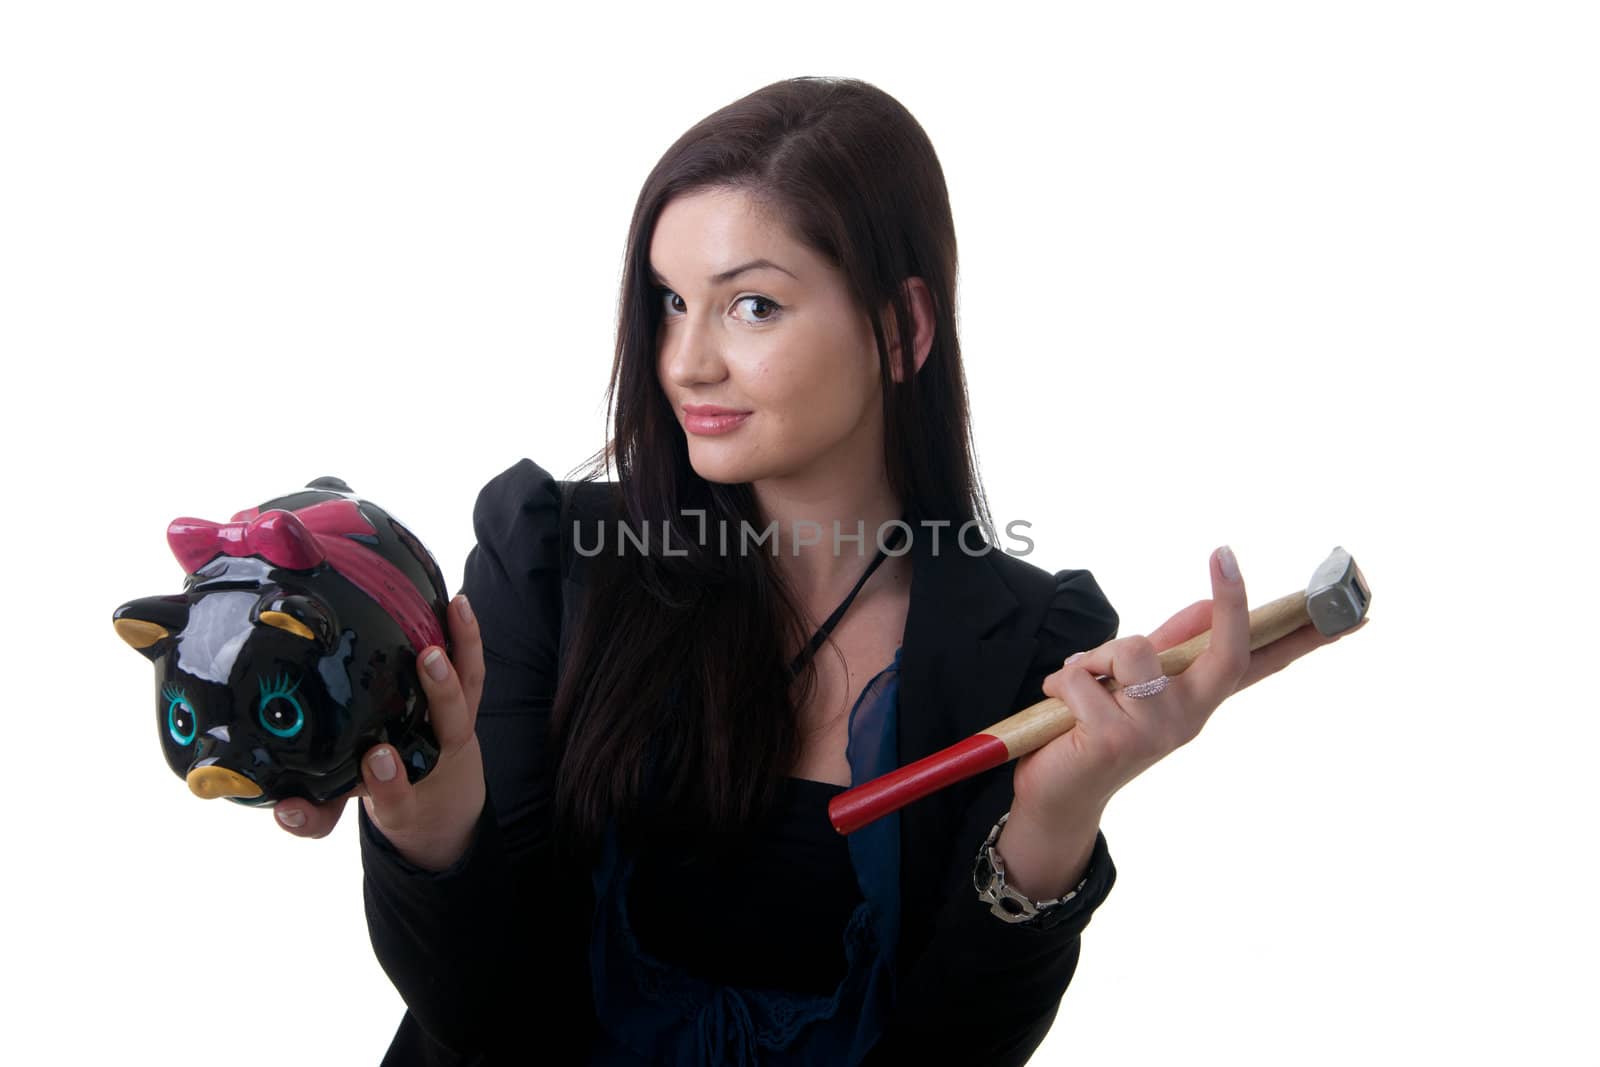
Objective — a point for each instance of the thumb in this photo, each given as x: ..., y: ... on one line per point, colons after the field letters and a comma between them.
x: 390, y: 799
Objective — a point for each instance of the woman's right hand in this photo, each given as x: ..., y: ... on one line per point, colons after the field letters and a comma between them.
x: 429, y: 823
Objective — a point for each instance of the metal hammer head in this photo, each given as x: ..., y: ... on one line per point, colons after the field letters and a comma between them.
x: 1337, y: 597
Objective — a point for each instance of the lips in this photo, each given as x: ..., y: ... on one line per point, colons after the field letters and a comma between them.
x: 709, y: 419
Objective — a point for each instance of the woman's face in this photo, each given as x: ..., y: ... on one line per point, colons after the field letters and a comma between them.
x: 781, y: 344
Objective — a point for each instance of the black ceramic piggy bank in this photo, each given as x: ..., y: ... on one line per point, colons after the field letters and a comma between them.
x: 292, y: 648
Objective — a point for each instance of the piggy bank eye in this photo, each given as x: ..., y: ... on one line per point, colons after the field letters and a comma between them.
x: 180, y: 715
x: 280, y: 711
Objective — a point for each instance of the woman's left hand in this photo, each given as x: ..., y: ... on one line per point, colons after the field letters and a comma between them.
x: 1118, y: 737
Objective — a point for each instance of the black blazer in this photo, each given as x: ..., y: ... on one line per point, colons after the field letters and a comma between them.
x: 490, y: 956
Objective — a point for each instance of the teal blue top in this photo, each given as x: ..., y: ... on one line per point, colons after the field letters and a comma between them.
x: 653, y: 1011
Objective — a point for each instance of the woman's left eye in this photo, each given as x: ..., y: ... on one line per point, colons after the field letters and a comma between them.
x: 772, y: 307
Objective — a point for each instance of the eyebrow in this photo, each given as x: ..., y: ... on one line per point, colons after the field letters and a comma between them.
x: 729, y: 275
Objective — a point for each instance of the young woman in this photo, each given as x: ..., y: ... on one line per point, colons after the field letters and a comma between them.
x: 623, y: 854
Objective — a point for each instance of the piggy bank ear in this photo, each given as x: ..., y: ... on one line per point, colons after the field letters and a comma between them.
x: 151, y: 623
x: 302, y: 616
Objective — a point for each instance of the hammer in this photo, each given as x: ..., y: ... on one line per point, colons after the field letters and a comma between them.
x: 1335, y: 601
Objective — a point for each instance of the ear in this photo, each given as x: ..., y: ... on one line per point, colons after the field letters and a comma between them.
x: 305, y: 617
x: 921, y: 301
x: 150, y: 624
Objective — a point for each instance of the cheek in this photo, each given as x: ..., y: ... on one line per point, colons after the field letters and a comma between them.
x: 816, y: 381
x: 661, y: 367
x: 795, y: 392
x: 854, y: 370
x: 833, y: 364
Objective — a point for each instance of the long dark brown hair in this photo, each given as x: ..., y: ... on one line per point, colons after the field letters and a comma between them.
x: 676, y: 674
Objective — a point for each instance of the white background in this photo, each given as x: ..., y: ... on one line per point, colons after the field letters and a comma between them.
x: 1282, y: 276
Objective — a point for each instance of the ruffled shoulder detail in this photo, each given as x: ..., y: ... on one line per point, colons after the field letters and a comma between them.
x: 516, y: 516
x: 1078, y: 617
x: 513, y: 574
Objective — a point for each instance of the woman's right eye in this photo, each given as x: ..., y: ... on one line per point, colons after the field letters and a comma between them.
x: 670, y: 297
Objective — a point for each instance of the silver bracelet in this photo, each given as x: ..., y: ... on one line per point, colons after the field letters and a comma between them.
x: 989, y: 879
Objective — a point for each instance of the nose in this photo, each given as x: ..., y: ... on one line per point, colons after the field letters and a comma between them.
x: 690, y: 353
x: 213, y: 781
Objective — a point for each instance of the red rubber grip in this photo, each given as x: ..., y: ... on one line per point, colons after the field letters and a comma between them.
x: 859, y: 805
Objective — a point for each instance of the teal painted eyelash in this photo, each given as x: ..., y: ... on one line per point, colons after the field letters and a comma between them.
x: 278, y: 687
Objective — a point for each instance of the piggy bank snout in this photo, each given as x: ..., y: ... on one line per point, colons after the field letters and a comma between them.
x: 213, y: 782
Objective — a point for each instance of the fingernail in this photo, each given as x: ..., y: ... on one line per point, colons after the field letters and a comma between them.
x: 290, y: 817
x: 1230, y: 566
x: 1075, y: 657
x: 464, y: 608
x: 382, y: 765
x: 435, y: 665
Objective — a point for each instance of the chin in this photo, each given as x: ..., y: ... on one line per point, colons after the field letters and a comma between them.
x: 726, y: 464
x: 722, y: 470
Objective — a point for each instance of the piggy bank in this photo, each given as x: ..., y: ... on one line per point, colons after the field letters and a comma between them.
x: 292, y: 648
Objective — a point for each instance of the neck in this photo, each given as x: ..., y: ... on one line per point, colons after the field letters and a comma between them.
x: 808, y: 509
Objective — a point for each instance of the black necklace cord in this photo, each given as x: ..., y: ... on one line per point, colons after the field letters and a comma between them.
x: 838, y: 613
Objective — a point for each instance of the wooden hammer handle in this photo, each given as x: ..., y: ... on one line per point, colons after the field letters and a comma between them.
x: 1031, y: 728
